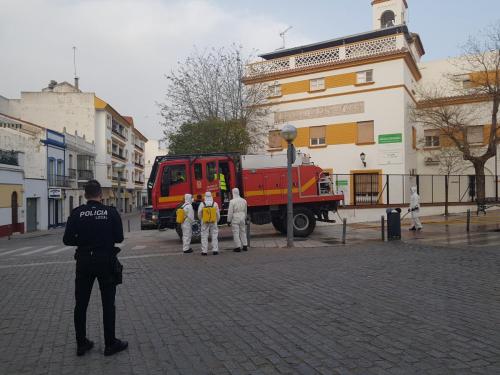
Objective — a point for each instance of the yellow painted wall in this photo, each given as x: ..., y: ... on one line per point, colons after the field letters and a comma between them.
x: 6, y: 194
x: 340, y: 134
x: 302, y: 139
x: 339, y: 80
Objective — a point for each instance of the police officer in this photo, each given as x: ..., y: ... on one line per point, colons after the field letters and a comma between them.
x: 95, y: 229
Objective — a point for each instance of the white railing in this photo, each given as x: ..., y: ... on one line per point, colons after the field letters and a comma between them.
x: 79, y: 143
x: 393, y: 43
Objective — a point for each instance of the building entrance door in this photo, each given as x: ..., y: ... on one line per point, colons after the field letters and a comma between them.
x: 31, y: 214
x: 13, y: 205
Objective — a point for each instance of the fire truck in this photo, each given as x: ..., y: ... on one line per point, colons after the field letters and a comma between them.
x: 262, y: 180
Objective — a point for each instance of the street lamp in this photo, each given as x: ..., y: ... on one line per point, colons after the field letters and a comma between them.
x: 289, y: 133
x: 362, y: 156
x: 119, y: 167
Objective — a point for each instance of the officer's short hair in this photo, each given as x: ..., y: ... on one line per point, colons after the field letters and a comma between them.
x: 92, y: 189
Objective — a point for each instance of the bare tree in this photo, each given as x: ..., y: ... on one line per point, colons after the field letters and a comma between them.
x: 438, y: 110
x: 449, y: 161
x: 208, y: 86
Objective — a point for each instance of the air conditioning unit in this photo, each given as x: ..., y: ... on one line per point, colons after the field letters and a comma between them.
x: 431, y: 161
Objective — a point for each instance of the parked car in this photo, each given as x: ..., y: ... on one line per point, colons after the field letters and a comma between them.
x: 148, y: 218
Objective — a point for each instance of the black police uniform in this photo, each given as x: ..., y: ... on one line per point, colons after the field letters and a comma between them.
x: 94, y: 228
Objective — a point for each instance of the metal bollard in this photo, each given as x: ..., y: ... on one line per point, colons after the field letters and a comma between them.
x: 468, y: 220
x: 247, y: 223
x: 344, y: 230
x: 128, y: 223
x: 382, y: 225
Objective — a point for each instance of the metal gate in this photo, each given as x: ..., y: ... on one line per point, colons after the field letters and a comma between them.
x: 31, y: 214
x: 366, y: 188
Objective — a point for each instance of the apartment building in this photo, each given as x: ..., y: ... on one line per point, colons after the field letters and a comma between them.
x: 111, y: 155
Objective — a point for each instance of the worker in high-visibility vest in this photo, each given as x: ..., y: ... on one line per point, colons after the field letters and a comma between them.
x: 223, y: 186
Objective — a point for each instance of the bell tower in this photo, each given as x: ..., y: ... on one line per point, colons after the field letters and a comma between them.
x: 387, y: 13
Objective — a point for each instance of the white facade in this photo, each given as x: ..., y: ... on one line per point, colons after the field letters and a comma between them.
x: 25, y: 174
x: 65, y: 109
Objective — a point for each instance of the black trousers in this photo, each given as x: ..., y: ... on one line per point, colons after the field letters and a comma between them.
x: 88, y: 268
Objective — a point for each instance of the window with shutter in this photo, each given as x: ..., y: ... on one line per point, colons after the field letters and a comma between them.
x: 365, y: 76
x: 365, y: 132
x: 274, y: 90
x: 317, y: 135
x: 275, y: 139
x: 475, y: 134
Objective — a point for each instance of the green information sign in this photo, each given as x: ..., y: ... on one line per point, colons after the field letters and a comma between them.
x: 390, y: 138
x: 342, y: 183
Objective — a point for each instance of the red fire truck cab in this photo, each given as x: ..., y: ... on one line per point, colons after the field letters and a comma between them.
x: 262, y: 180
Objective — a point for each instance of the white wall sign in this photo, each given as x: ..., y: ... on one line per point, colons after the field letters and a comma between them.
x: 390, y: 156
x: 55, y: 193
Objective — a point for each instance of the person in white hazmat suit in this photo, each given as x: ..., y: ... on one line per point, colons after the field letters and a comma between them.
x: 236, y: 216
x: 186, y: 226
x: 415, y: 209
x: 209, y: 228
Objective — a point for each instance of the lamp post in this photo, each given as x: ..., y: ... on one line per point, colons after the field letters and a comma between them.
x: 119, y: 167
x: 289, y: 133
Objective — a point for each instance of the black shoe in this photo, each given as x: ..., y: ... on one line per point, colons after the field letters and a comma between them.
x: 118, y: 346
x: 236, y: 249
x: 215, y: 253
x: 412, y: 228
x: 245, y: 248
x: 204, y: 254
x: 84, y: 348
x: 188, y: 251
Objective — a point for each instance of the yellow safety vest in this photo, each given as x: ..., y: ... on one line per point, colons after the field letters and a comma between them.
x: 222, y: 181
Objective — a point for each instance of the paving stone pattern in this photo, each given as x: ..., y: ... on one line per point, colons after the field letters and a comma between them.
x: 356, y: 310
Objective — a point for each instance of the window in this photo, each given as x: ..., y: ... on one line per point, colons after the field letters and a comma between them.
x: 413, y: 138
x: 475, y: 134
x: 317, y: 84
x: 109, y: 171
x: 431, y: 138
x: 60, y: 167
x: 108, y: 122
x: 318, y: 135
x: 366, y: 188
x: 275, y: 140
x: 365, y: 76
x: 274, y: 89
x: 198, y: 170
x: 177, y: 174
x: 211, y: 171
x: 109, y: 147
x: 365, y: 133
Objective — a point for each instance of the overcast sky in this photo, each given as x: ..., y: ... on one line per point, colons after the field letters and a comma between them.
x: 125, y: 47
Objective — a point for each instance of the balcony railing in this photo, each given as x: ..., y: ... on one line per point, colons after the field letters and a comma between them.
x: 72, y: 173
x: 139, y: 165
x: 8, y: 157
x: 368, y: 48
x: 123, y: 179
x: 139, y: 146
x: 119, y: 156
x: 58, y: 180
x: 118, y: 133
x: 85, y: 175
x: 139, y: 182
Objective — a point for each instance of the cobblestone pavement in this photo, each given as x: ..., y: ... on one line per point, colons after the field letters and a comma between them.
x: 363, y: 309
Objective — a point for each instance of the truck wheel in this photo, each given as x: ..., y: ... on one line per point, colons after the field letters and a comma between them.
x: 196, y: 227
x: 279, y: 224
x: 304, y: 222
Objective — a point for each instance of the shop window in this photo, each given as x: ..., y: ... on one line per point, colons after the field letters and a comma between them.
x: 317, y: 135
x: 365, y: 133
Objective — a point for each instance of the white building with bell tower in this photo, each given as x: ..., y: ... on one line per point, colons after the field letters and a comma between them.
x: 388, y: 13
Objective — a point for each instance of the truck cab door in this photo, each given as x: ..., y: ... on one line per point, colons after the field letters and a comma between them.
x: 174, y: 183
x: 212, y: 180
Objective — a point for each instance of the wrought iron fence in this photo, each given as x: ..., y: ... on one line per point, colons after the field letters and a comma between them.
x: 394, y: 189
x: 59, y: 180
x: 85, y: 175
